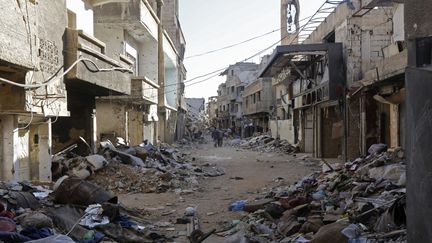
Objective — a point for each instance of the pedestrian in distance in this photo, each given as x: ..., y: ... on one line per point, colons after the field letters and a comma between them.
x: 220, y: 138
x: 215, y: 135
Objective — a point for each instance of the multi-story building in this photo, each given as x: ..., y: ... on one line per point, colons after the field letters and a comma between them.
x: 149, y: 34
x: 93, y: 69
x: 87, y: 81
x: 32, y: 88
x: 371, y: 33
x: 363, y: 108
x: 230, y: 94
x: 257, y: 106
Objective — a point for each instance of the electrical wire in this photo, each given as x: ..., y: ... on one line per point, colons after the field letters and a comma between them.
x: 241, y: 42
x: 224, y: 68
x: 233, y: 45
x: 311, y: 20
x: 52, y: 79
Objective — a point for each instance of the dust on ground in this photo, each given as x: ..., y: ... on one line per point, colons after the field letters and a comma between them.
x: 247, y: 173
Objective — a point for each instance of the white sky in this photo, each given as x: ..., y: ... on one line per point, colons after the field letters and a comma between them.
x: 212, y: 24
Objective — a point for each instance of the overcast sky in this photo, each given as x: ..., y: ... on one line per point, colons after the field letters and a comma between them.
x: 212, y: 24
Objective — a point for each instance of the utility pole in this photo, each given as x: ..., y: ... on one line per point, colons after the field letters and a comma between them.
x: 161, y: 125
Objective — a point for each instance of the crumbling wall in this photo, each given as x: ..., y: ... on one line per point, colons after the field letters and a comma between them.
x: 354, y: 130
x: 135, y: 127
x: 283, y: 128
x: 115, y: 113
x: 18, y: 22
x: 113, y: 37
x: 149, y: 131
x: 9, y: 130
x: 31, y: 52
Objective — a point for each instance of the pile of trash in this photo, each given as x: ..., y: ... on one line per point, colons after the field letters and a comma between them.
x: 73, y: 210
x: 139, y: 169
x: 265, y: 143
x: 363, y: 200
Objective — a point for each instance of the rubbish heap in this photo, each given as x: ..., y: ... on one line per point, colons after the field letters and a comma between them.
x: 265, y: 143
x: 363, y: 200
x: 139, y: 169
x: 73, y: 210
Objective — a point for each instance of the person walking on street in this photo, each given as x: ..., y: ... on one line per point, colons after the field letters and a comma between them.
x: 220, y: 138
x: 214, y: 135
x: 217, y: 136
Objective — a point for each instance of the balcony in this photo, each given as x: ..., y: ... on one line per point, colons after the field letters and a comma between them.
x: 84, y: 77
x: 259, y: 107
x: 140, y: 21
x: 145, y: 90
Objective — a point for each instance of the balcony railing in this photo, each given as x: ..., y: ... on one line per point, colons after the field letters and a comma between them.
x: 259, y: 107
x: 145, y: 89
x: 96, y: 73
x: 140, y: 20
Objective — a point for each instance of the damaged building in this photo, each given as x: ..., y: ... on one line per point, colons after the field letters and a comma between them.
x: 314, y: 83
x: 32, y: 89
x: 95, y: 70
x: 230, y: 98
x: 257, y: 104
x: 364, y: 66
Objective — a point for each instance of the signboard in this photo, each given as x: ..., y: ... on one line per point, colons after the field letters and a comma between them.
x: 282, y: 76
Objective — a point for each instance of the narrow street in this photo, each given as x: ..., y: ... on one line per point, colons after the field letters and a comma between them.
x: 248, y: 173
x: 110, y: 111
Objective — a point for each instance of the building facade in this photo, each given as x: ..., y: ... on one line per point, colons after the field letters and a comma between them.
x: 148, y: 33
x: 96, y: 69
x: 369, y: 105
x: 32, y: 87
x: 212, y: 110
x: 230, y: 98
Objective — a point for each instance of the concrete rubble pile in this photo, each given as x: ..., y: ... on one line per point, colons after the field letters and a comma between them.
x: 363, y: 201
x: 138, y: 169
x: 264, y: 143
x: 72, y: 210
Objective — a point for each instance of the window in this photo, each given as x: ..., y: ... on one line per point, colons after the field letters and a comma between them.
x: 232, y: 89
x: 247, y: 102
x: 254, y: 98
x: 232, y: 72
x: 259, y: 95
x: 132, y: 54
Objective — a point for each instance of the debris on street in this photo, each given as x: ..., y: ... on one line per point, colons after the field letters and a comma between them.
x: 362, y: 201
x: 76, y: 211
x: 264, y: 143
x: 144, y: 168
